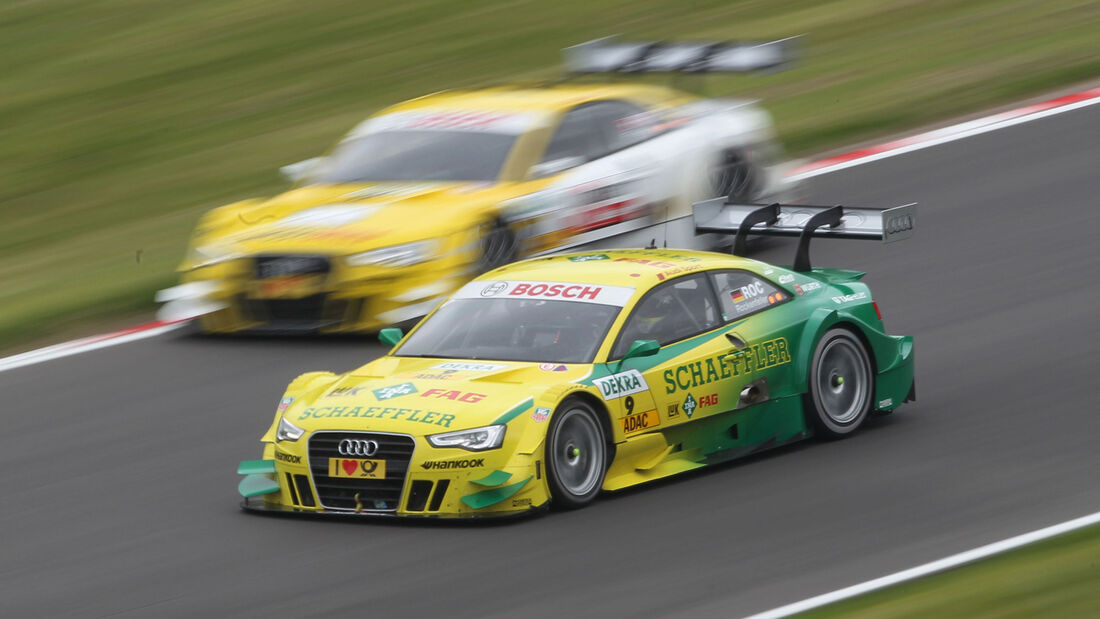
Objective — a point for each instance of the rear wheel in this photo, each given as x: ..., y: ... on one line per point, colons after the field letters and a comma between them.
x: 733, y: 177
x: 576, y: 454
x: 841, y: 384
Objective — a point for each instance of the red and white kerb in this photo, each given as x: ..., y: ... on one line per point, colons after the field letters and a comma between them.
x: 551, y: 291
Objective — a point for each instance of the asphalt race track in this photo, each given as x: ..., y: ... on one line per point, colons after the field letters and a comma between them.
x: 118, y: 482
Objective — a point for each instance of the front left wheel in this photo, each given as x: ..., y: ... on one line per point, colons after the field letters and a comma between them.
x: 576, y: 454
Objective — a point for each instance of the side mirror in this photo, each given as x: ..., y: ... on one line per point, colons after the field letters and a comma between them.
x: 295, y: 172
x: 642, y: 348
x: 554, y: 166
x: 390, y: 336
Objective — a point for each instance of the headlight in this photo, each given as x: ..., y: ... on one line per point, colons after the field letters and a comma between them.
x: 476, y: 439
x: 288, y: 431
x: 206, y: 255
x: 402, y: 255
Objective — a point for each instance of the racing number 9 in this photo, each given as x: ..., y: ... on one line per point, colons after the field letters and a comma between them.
x: 628, y: 402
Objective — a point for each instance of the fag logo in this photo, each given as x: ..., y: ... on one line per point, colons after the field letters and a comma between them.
x: 540, y: 414
x: 285, y: 404
x: 385, y: 393
x: 621, y: 384
x: 457, y: 396
x: 689, y: 405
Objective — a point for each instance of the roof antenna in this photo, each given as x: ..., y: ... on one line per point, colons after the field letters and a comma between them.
x: 652, y: 244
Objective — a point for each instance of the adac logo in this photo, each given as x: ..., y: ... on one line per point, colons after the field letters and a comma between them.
x: 689, y: 405
x: 385, y: 393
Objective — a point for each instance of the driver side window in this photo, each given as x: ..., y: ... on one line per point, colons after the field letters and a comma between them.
x: 673, y: 311
x: 576, y: 136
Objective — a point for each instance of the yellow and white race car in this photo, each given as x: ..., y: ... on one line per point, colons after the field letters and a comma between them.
x: 427, y: 194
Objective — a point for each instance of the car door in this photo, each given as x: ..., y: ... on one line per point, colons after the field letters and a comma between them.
x: 686, y: 379
x: 604, y: 184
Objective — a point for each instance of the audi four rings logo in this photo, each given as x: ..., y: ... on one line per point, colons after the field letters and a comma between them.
x: 901, y: 223
x: 357, y: 447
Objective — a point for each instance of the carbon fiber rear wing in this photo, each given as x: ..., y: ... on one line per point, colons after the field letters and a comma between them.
x: 804, y: 221
x: 609, y: 55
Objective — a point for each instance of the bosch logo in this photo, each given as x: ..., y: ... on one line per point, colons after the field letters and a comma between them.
x: 357, y: 447
x: 899, y: 223
x: 494, y: 289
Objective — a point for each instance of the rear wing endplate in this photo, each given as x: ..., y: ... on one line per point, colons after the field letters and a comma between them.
x: 609, y: 55
x: 804, y: 221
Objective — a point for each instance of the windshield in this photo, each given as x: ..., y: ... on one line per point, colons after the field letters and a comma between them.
x: 418, y: 155
x: 513, y: 330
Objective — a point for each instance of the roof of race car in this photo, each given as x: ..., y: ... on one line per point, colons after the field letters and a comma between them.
x: 547, y: 98
x: 638, y: 268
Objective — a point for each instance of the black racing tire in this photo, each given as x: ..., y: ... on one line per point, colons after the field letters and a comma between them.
x: 733, y: 176
x: 576, y: 454
x: 841, y: 389
x: 498, y: 246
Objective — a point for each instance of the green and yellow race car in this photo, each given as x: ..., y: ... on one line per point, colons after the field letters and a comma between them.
x: 550, y: 380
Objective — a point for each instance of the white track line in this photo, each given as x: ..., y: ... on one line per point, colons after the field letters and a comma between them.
x: 87, y: 344
x: 930, y: 568
x: 1017, y: 116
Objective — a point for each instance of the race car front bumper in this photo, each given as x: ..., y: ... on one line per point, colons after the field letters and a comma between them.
x: 419, y: 481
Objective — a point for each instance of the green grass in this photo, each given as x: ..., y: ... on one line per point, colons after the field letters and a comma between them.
x: 121, y: 121
x: 1055, y: 578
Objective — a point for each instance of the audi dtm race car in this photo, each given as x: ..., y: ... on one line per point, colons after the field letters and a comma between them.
x: 549, y: 380
x: 429, y: 193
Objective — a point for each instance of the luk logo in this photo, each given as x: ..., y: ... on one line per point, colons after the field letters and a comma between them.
x: 344, y: 391
x: 689, y: 405
x: 494, y: 289
x: 621, y: 384
x: 385, y: 393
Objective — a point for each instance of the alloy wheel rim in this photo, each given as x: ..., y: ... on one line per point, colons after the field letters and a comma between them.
x: 842, y: 381
x: 578, y: 453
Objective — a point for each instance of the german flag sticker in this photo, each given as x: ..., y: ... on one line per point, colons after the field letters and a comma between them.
x: 737, y: 295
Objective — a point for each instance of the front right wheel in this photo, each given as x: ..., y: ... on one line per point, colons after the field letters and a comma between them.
x: 576, y: 454
x: 841, y: 384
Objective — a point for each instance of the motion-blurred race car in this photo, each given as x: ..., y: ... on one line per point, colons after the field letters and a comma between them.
x: 553, y: 378
x: 429, y: 193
